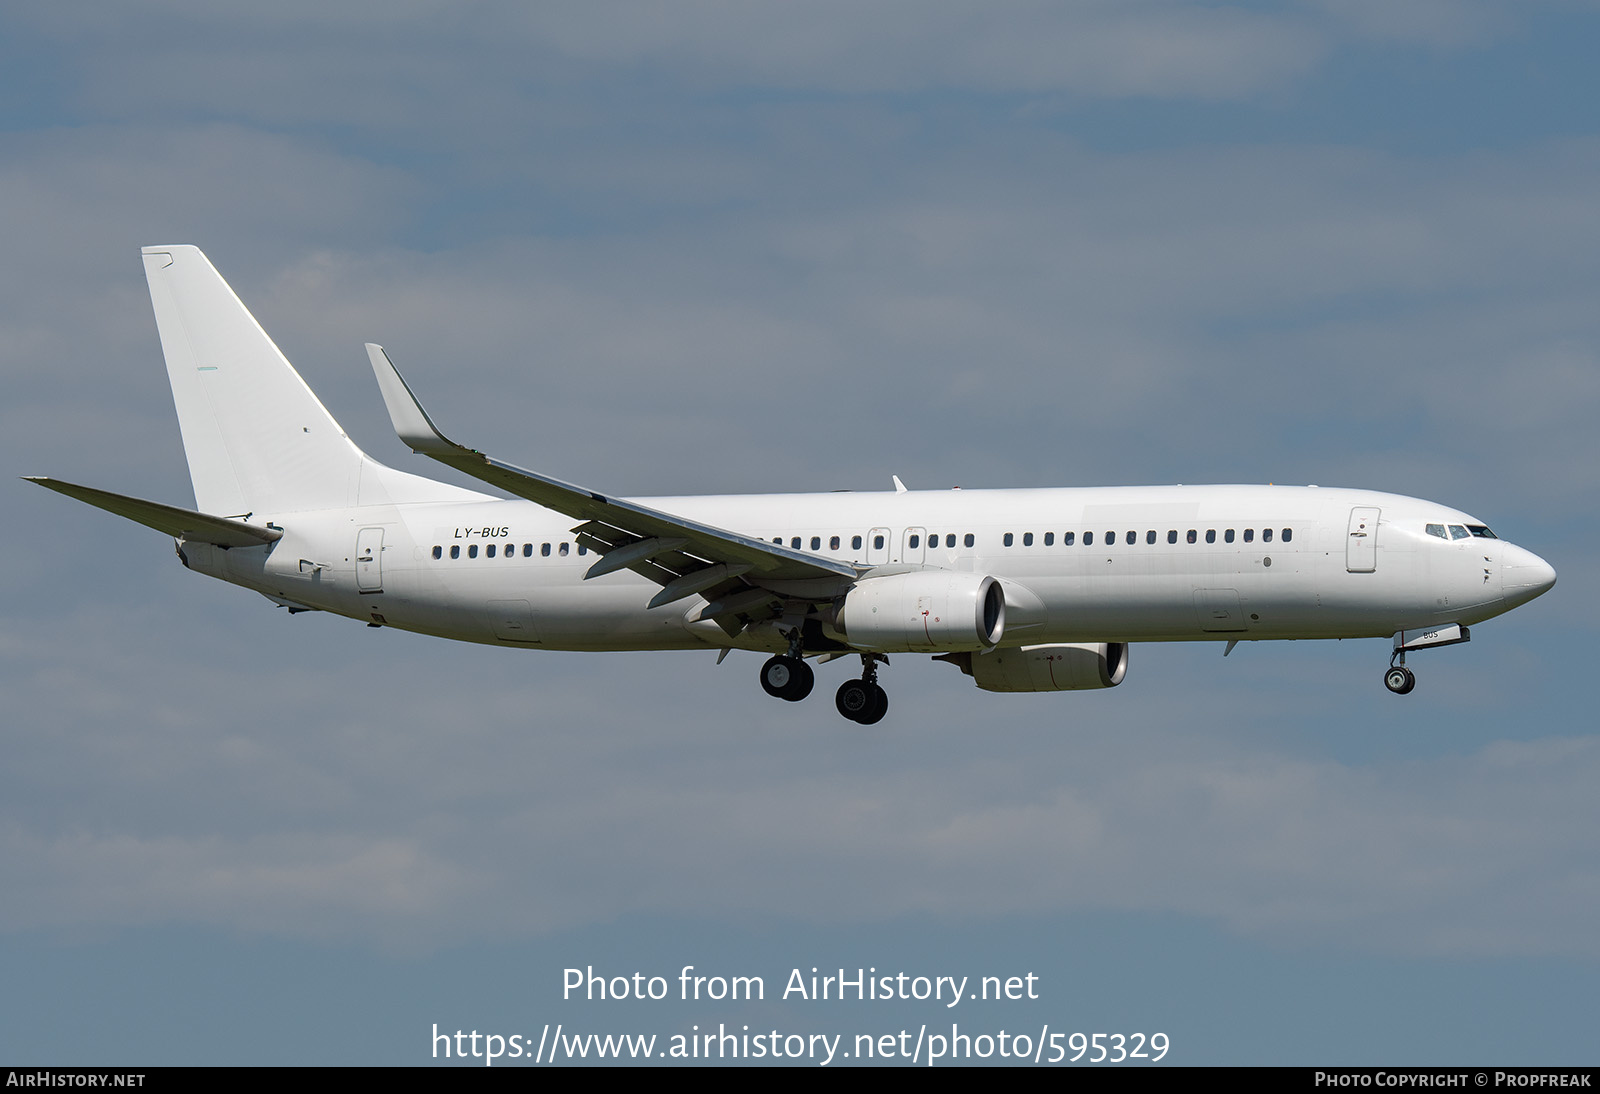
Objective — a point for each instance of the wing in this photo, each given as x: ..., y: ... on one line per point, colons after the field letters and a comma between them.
x: 185, y: 524
x: 741, y: 576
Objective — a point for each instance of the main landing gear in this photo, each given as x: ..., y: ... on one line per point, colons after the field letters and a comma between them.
x: 863, y: 700
x: 788, y: 677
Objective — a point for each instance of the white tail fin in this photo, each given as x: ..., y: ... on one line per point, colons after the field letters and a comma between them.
x: 258, y: 440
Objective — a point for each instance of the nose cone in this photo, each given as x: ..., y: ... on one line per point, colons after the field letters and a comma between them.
x: 1526, y: 576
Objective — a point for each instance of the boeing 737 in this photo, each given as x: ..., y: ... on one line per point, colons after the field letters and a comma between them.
x: 1023, y: 590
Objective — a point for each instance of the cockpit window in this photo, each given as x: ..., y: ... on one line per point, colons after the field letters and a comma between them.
x: 1481, y: 532
x: 1457, y: 532
x: 1438, y: 530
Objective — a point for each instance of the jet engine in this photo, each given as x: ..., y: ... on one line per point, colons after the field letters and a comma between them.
x: 1046, y: 668
x: 926, y: 610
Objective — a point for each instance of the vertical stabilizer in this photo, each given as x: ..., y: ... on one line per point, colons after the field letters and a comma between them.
x: 258, y: 440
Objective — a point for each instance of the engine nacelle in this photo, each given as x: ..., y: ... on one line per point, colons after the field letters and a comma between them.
x: 1047, y: 668
x: 925, y: 611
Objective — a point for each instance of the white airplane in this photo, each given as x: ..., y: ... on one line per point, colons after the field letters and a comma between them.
x: 1023, y: 590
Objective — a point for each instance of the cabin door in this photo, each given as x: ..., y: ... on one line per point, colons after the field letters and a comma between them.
x: 369, y: 560
x: 1361, y: 546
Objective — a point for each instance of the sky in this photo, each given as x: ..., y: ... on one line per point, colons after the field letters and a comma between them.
x: 749, y: 247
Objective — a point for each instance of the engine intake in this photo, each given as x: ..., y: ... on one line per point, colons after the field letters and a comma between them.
x: 924, y: 611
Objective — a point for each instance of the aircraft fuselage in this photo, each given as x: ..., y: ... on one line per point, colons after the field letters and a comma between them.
x: 512, y: 573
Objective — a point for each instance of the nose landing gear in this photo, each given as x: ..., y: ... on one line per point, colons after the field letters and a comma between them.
x: 1399, y: 679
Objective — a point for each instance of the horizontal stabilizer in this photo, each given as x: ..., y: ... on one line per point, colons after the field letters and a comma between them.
x: 183, y: 524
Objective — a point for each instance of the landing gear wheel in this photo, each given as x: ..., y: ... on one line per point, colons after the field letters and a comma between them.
x: 862, y: 701
x: 787, y: 678
x: 854, y: 699
x: 1399, y: 680
x: 879, y: 707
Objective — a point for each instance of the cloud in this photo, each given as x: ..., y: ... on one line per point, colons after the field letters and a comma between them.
x: 379, y: 65
x: 1141, y: 49
x: 1441, y: 24
x: 466, y: 793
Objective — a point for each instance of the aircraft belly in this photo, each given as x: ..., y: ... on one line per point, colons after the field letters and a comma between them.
x: 608, y: 617
x: 558, y: 612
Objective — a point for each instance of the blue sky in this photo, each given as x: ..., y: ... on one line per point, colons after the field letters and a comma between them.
x: 750, y: 247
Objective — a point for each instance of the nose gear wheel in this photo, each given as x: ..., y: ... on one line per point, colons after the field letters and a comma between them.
x: 1399, y: 679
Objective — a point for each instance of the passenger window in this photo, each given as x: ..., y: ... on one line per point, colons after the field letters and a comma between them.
x: 1067, y: 538
x: 472, y: 551
x: 855, y: 543
x: 795, y: 543
x: 950, y: 540
x: 1266, y: 535
x: 1007, y: 539
x: 583, y: 549
x: 1288, y: 534
x: 1150, y: 536
x: 877, y: 543
x: 455, y: 551
x: 1457, y: 532
x: 914, y: 542
x: 816, y: 543
x: 1131, y: 538
x: 1088, y: 539
x: 1172, y: 535
x: 1027, y: 539
x: 1211, y: 535
x: 1191, y: 535
x: 489, y: 551
x: 562, y: 550
x: 438, y: 552
x: 1227, y: 537
x: 1049, y: 539
x: 1111, y: 539
x: 1249, y: 535
x: 971, y: 539
x: 544, y: 549
x: 833, y: 543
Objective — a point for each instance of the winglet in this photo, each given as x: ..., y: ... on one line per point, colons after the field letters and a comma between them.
x: 899, y: 487
x: 411, y: 422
